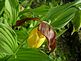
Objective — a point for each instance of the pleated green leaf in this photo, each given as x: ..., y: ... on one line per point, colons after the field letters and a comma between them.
x: 11, y: 12
x: 61, y: 15
x: 30, y: 55
x: 8, y: 40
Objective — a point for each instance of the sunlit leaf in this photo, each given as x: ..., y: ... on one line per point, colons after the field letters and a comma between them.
x: 55, y: 11
x: 61, y: 15
x: 11, y: 11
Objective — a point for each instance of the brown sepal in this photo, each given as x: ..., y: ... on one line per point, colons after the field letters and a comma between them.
x: 48, y: 32
x: 22, y: 21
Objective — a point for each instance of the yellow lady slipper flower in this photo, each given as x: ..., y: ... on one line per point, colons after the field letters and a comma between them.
x: 35, y: 39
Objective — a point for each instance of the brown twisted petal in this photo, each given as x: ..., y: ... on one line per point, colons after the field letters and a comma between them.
x: 22, y: 21
x: 48, y: 32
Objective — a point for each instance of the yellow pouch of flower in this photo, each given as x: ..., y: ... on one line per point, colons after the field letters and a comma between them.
x: 35, y: 39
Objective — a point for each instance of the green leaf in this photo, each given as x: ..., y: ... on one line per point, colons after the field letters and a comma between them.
x: 2, y: 3
x: 2, y: 55
x: 30, y: 55
x: 42, y: 10
x: 64, y: 18
x: 12, y: 9
x: 25, y: 13
x: 23, y: 31
x: 61, y: 15
x: 59, y: 32
x: 80, y: 17
x: 8, y: 40
x: 76, y: 21
x: 77, y: 2
x: 55, y: 11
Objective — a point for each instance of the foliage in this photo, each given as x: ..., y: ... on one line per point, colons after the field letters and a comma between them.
x: 14, y: 38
